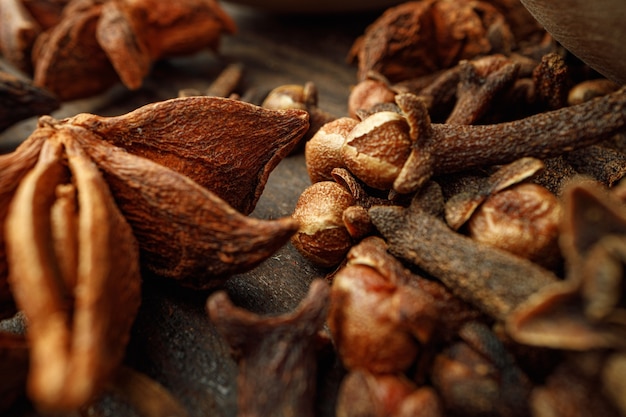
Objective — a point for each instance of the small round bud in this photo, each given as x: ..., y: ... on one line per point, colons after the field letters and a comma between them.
x: 366, y: 324
x: 376, y: 149
x: 289, y: 96
x: 322, y: 153
x: 322, y: 238
x: 367, y: 94
x: 523, y: 220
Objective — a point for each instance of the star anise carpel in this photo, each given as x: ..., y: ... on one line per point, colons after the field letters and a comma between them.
x: 79, y: 48
x: 82, y: 218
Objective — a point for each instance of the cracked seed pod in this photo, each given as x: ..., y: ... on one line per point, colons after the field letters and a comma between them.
x: 376, y: 149
x: 322, y: 236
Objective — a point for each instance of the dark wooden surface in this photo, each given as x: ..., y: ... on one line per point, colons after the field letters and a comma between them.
x: 173, y: 341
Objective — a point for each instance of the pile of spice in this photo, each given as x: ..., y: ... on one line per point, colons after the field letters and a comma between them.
x: 470, y: 213
x: 475, y: 231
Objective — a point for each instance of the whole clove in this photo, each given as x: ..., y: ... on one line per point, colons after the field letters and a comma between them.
x: 276, y: 355
x: 492, y: 280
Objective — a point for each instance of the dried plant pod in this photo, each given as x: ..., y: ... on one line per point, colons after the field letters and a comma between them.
x: 523, y: 220
x: 78, y: 335
x: 366, y: 394
x: 443, y: 148
x: 134, y: 34
x: 13, y: 167
x: 435, y: 34
x: 46, y: 12
x: 322, y: 236
x: 583, y: 311
x: 462, y: 205
x: 322, y: 153
x: 96, y: 43
x: 376, y: 149
x: 381, y: 315
x: 276, y: 354
x: 496, y: 281
x: 19, y: 31
x: 227, y: 146
x: 68, y: 55
x: 185, y: 231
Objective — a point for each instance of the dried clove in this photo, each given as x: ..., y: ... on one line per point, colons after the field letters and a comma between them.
x: 276, y: 355
x: 481, y: 81
x: 442, y: 148
x: 572, y: 391
x: 471, y: 192
x: 492, y: 280
x: 584, y: 310
x: 381, y: 315
x: 477, y: 376
x: 363, y: 394
x: 434, y: 34
x: 301, y: 97
x: 322, y: 236
x: 322, y: 152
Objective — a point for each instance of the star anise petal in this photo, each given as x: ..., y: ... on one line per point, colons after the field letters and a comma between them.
x: 77, y: 335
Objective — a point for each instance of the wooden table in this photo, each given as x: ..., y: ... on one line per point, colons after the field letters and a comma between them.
x: 173, y: 341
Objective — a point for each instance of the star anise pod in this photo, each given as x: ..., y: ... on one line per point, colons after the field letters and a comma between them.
x: 81, y: 216
x: 67, y: 240
x: 94, y: 44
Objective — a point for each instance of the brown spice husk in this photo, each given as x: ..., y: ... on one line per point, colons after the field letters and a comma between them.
x: 227, y: 146
x: 13, y: 167
x: 77, y: 336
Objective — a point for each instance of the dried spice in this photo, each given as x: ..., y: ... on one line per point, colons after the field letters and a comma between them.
x: 118, y: 40
x: 302, y: 97
x: 418, y: 38
x: 363, y: 394
x: 497, y: 281
x: 573, y: 390
x: 481, y: 82
x: 181, y: 226
x: 381, y: 315
x: 211, y: 140
x: 442, y: 148
x: 583, y: 311
x: 13, y: 167
x: 79, y: 318
x: 19, y: 99
x: 478, y: 376
x: 18, y: 33
x: 69, y: 201
x: 276, y: 355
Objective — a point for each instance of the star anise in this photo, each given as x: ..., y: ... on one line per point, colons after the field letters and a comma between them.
x: 85, y: 46
x: 81, y: 217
